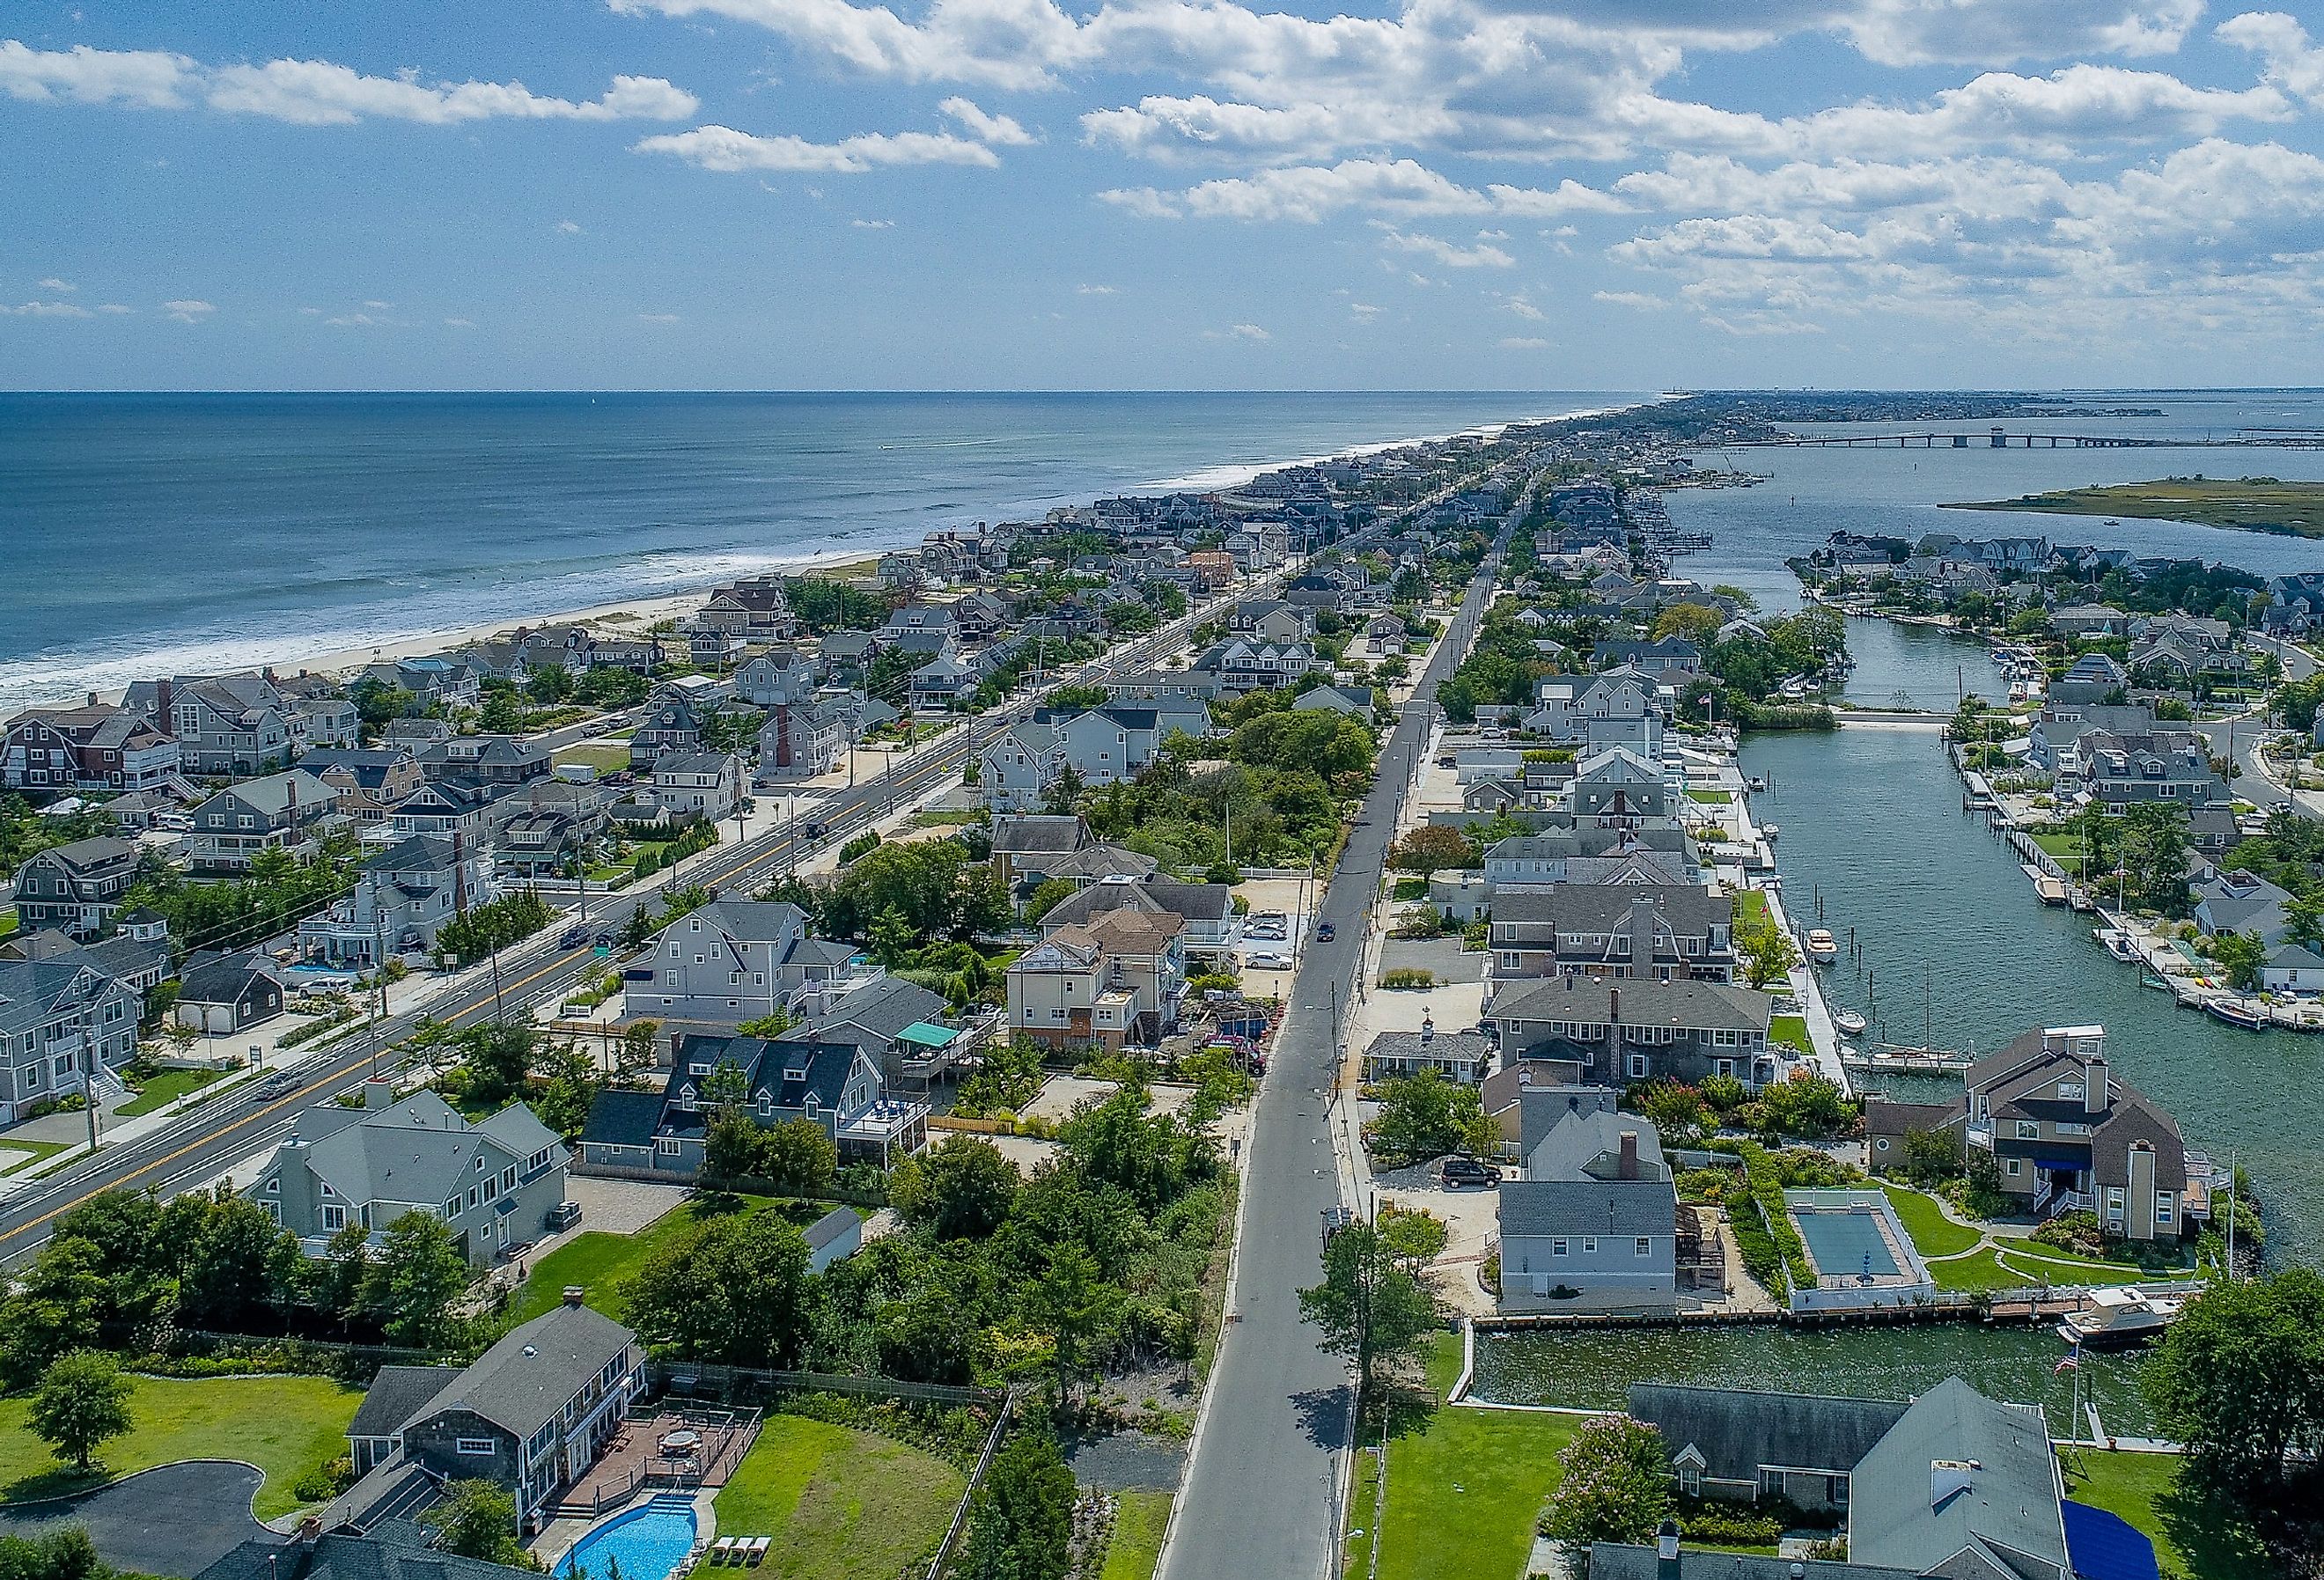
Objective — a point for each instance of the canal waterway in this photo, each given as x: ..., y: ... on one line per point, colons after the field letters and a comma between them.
x: 1593, y: 1368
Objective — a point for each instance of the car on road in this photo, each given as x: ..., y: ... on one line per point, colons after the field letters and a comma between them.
x: 274, y: 1086
x: 1461, y: 1170
x: 573, y: 938
x: 2280, y: 807
x: 1267, y: 960
x: 1326, y: 932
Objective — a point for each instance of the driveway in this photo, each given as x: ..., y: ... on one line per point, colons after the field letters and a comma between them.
x: 176, y: 1520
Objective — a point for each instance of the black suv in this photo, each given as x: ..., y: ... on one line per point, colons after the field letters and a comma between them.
x: 1459, y: 1170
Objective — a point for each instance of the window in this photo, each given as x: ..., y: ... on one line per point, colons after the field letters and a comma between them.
x: 1590, y: 1245
x: 452, y: 1208
x: 475, y: 1447
x: 1557, y: 1248
x: 475, y: 1196
x: 2016, y: 1167
x: 1645, y: 1246
x: 334, y: 1218
x: 2028, y: 1130
x: 1880, y: 1144
x: 667, y: 1146
x: 1637, y: 1067
x: 480, y: 1162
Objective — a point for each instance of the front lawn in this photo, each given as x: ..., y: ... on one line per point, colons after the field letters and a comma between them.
x: 1933, y: 1233
x: 17, y: 1154
x: 840, y: 1503
x: 285, y: 1425
x: 2044, y: 1263
x: 1983, y: 1271
x: 1791, y: 1029
x: 2066, y: 849
x: 2194, y: 1539
x: 1711, y: 798
x: 167, y: 1086
x: 599, y: 1262
x: 1750, y: 908
x: 1138, y: 1528
x: 1465, y: 1486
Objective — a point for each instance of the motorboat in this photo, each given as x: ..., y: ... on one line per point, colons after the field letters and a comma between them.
x: 1823, y: 948
x: 1769, y: 831
x: 1850, y: 1021
x: 2115, y: 1319
x: 2236, y: 1012
x: 2117, y: 943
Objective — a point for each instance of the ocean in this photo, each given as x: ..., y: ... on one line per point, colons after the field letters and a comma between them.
x: 153, y: 534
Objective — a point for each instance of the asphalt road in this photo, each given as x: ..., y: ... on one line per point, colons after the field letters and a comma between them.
x: 1261, y: 1495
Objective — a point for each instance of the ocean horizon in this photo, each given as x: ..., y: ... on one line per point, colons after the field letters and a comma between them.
x: 162, y: 532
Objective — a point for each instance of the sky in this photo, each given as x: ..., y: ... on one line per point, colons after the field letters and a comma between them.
x: 1159, y: 194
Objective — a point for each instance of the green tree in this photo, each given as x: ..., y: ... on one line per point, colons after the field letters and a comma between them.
x: 2303, y: 918
x: 335, y: 1284
x: 477, y: 1519
x: 1022, y: 1522
x: 1806, y: 1105
x: 235, y: 1266
x: 2243, y: 957
x: 959, y: 1190
x: 2239, y: 1380
x: 1414, y: 1238
x: 1052, y: 893
x: 730, y: 1148
x: 1613, y: 1484
x: 892, y: 939
x: 798, y: 1156
x: 66, y: 1552
x: 1371, y: 1311
x: 416, y: 1275
x: 1427, y: 1115
x: 1768, y: 953
x: 734, y: 1292
x: 82, y: 1403
x: 497, y: 1056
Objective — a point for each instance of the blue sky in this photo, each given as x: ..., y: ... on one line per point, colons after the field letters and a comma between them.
x: 798, y: 194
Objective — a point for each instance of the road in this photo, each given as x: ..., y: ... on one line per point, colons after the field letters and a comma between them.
x: 1261, y: 1495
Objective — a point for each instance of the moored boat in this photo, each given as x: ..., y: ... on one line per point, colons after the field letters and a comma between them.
x: 1850, y: 1021
x: 2118, y: 1318
x: 2236, y: 1012
x: 1823, y: 948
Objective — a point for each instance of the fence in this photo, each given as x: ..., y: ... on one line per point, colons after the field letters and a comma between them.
x: 679, y: 1377
x: 311, y: 1356
x: 975, y: 1480
x: 744, y: 1184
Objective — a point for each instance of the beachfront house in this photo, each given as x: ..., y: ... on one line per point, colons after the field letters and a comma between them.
x: 93, y: 747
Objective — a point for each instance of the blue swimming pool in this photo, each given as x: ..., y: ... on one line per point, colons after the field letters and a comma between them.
x: 1845, y: 1244
x: 648, y: 1542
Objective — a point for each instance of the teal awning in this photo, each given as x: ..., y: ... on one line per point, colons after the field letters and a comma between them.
x: 920, y: 1034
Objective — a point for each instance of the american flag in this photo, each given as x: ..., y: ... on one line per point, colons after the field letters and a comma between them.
x: 2073, y: 1359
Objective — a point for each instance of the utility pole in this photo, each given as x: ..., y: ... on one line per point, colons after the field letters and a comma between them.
x: 89, y: 1084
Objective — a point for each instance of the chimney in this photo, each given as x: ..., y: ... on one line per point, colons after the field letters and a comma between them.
x: 1614, y: 1012
x: 165, y: 696
x: 2096, y: 1086
x: 1667, y: 1563
x: 1427, y: 1028
x: 378, y: 1093
x: 574, y: 1294
x: 92, y: 699
x: 1629, y: 1154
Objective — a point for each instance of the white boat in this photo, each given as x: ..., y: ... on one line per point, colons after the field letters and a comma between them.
x: 1768, y: 831
x: 2117, y: 943
x: 1850, y: 1021
x: 1823, y: 948
x: 2117, y: 1317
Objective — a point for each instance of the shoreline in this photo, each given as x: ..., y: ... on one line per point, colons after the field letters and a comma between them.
x: 286, y: 656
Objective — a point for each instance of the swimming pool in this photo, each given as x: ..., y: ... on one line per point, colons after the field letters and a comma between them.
x: 1845, y: 1243
x: 648, y: 1542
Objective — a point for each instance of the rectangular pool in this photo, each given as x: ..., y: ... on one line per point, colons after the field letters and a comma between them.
x: 1845, y: 1243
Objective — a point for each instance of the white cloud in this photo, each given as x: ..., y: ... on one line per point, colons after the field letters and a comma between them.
x: 872, y: 223
x: 64, y: 286
x: 459, y: 323
x: 2293, y: 63
x: 1093, y: 291
x: 1483, y: 256
x: 998, y: 130
x: 1524, y: 308
x: 46, y: 310
x: 1311, y: 193
x: 1240, y: 332
x: 187, y: 311
x: 354, y: 321
x: 1363, y: 310
x: 115, y: 307
x: 722, y: 148
x: 1523, y: 343
x: 566, y: 227
x: 1639, y: 300
x: 658, y: 317
x: 313, y: 93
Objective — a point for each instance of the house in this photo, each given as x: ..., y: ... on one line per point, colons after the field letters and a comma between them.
x: 898, y: 1024
x: 1616, y: 787
x: 530, y: 1415
x: 94, y: 747
x: 1205, y: 910
x: 1241, y: 664
x: 1613, y: 929
x: 1599, y: 856
x: 732, y: 961
x: 291, y: 812
x: 2069, y: 1135
x: 1027, y: 845
x: 548, y: 828
x: 228, y: 725
x: 1668, y: 660
x: 2088, y: 620
x: 1016, y: 767
x: 753, y: 608
x: 137, y: 953
x: 1958, y: 1486
x: 706, y: 785
x: 832, y: 1083
x: 1270, y: 620
x: 2160, y: 764
x: 497, y: 764
x: 673, y: 723
x: 219, y: 994
x: 1115, y: 980
x: 447, y: 806
x: 59, y: 1016
x: 2092, y: 678
x: 370, y: 782
x: 1622, y: 1029
x: 1113, y: 743
x: 493, y: 1183
x: 1355, y: 701
x: 402, y: 898
x: 1593, y: 1226
x: 945, y: 680
x: 75, y: 888
x: 2239, y: 901
x: 801, y: 739
x: 1463, y: 1057
x: 1748, y: 1446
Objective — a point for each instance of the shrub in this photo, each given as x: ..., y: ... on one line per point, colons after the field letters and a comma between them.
x: 862, y: 845
x: 1730, y: 1528
x: 1408, y: 976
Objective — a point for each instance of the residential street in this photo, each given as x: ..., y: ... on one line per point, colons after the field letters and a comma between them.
x: 1262, y: 1493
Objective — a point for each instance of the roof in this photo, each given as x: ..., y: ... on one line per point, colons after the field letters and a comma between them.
x: 1584, y: 1142
x: 622, y: 1118
x: 1739, y: 1430
x: 1039, y: 831
x: 1624, y: 1561
x: 884, y: 1007
x: 420, y: 1150
x: 223, y: 979
x: 395, y: 1396
x: 524, y: 1380
x: 832, y: 1225
x: 1537, y: 1208
x: 1959, y: 1471
x: 1156, y: 897
x: 1601, y: 907
x: 1455, y: 1046
x: 1633, y: 1001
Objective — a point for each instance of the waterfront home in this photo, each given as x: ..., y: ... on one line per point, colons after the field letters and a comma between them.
x: 1616, y: 787
x: 2052, y: 737
x: 704, y: 785
x: 2239, y: 901
x: 75, y: 888
x: 492, y: 1183
x: 1560, y: 854
x: 1666, y: 659
x: 1462, y: 1057
x: 2092, y: 678
x: 1026, y: 846
x: 530, y: 1415
x: 1613, y: 929
x: 227, y: 991
x: 832, y: 1083
x: 2162, y: 764
x: 752, y: 608
x: 2080, y: 620
x: 291, y: 812
x: 1115, y: 980
x: 370, y: 781
x: 1637, y: 1029
x: 94, y: 747
x: 1593, y: 1226
x: 402, y: 898
x: 1750, y: 1447
x: 1565, y: 705
x: 59, y: 1015
x: 225, y: 724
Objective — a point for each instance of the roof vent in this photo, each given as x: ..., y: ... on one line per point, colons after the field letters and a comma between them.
x: 1948, y: 1480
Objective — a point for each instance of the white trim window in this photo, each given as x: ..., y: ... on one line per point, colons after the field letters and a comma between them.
x: 475, y: 1447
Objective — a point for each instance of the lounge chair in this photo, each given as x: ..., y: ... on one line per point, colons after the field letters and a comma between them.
x: 759, y: 1546
x: 723, y: 1551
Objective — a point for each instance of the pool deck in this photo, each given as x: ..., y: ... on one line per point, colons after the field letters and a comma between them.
x: 633, y: 1468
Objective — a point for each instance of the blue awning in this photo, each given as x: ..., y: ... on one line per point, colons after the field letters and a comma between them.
x: 2101, y: 1546
x: 2059, y: 1160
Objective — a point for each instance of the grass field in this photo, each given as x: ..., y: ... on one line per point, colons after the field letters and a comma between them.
x: 166, y: 1088
x: 18, y: 1154
x: 2193, y: 1539
x: 2066, y: 849
x: 605, y: 756
x: 2256, y: 504
x: 1983, y: 1271
x: 840, y: 1503
x: 1750, y: 907
x: 1137, y: 1536
x: 285, y: 1425
x: 1791, y: 1029
x: 599, y: 1262
x: 1711, y: 798
x: 1464, y: 1487
x: 1933, y: 1233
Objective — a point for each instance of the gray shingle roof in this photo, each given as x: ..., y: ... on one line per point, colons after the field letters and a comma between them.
x: 395, y: 1396
x: 524, y: 1380
x: 2007, y: 1487
x: 1642, y: 1002
x: 623, y: 1119
x: 1622, y: 1561
x: 1561, y: 1206
x: 1736, y: 1430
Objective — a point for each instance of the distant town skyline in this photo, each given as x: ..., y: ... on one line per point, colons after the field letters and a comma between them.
x: 1011, y: 194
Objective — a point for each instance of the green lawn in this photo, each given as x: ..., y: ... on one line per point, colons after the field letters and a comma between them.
x: 285, y: 1425
x: 605, y: 756
x: 24, y: 1154
x: 2066, y: 849
x: 841, y: 1505
x: 599, y: 1262
x: 2193, y: 1539
x: 1982, y: 1272
x: 1933, y: 1233
x: 1711, y: 798
x: 2063, y: 1267
x: 1750, y: 907
x: 1465, y: 1486
x: 166, y: 1088
x: 1137, y: 1536
x: 1791, y: 1029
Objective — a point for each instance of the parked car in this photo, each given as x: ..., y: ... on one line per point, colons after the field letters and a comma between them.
x: 1267, y: 960
x: 1459, y: 1170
